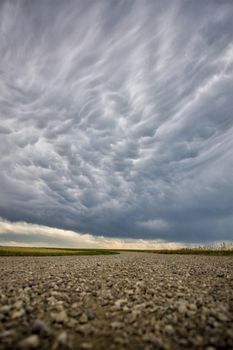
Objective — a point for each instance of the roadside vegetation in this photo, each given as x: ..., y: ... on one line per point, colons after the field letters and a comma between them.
x: 221, y: 249
x: 195, y: 251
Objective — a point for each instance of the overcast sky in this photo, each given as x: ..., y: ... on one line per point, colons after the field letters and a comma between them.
x: 116, y: 120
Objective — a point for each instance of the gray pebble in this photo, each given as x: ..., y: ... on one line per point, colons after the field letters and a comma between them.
x: 31, y: 342
x: 40, y: 327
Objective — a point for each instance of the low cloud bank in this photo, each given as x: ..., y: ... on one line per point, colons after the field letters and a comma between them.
x: 26, y: 234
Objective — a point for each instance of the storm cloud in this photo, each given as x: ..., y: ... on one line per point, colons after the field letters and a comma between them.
x: 117, y: 117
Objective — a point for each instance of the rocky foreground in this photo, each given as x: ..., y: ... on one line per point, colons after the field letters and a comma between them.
x: 126, y: 301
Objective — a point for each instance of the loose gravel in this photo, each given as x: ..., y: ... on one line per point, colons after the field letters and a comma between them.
x: 125, y: 301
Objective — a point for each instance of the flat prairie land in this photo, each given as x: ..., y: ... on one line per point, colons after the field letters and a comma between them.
x: 124, y: 301
x: 43, y: 251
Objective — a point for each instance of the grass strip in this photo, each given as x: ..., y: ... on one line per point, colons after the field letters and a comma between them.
x: 43, y: 251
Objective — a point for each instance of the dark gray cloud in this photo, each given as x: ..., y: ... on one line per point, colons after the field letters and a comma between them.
x: 116, y: 117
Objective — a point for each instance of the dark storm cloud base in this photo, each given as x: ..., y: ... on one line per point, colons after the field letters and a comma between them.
x: 116, y: 117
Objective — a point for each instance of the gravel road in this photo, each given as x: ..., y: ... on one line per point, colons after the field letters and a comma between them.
x: 127, y: 301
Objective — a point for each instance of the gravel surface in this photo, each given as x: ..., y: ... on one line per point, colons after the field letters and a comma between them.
x: 126, y: 301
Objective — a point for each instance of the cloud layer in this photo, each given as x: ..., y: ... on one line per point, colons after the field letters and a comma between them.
x: 22, y: 233
x: 116, y: 117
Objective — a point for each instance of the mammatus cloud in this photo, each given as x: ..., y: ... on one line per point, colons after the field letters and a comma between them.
x: 116, y: 118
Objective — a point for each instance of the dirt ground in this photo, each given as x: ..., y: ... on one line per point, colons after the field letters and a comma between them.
x: 125, y: 301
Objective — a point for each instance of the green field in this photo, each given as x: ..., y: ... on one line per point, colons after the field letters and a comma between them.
x: 42, y: 251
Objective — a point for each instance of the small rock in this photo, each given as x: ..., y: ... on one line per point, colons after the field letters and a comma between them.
x: 132, y: 317
x: 182, y: 308
x: 140, y: 284
x: 220, y: 274
x: 109, y: 284
x: 40, y: 327
x: 72, y: 322
x: 169, y: 329
x: 18, y: 305
x: 28, y: 309
x: 59, y: 317
x: 17, y: 314
x: 183, y: 342
x: 120, y: 340
x: 116, y: 325
x: 83, y: 318
x: 169, y: 295
x: 229, y: 333
x: 8, y: 333
x: 104, y: 302
x: 192, y: 307
x: 66, y: 298
x: 74, y: 305
x: 86, y: 346
x: 5, y: 309
x: 149, y: 338
x: 198, y: 340
x: 85, y: 329
x: 31, y: 342
x: 98, y: 284
x: 119, y: 303
x: 63, y: 338
x: 222, y: 317
x: 125, y: 308
x: 90, y: 314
